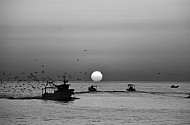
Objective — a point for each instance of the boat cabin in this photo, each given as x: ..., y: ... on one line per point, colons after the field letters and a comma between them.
x: 60, y: 92
x: 131, y: 87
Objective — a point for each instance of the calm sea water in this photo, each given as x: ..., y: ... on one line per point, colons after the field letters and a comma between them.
x: 154, y: 103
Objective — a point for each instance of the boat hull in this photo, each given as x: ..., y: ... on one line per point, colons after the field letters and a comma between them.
x: 92, y: 89
x: 59, y: 96
x: 174, y: 86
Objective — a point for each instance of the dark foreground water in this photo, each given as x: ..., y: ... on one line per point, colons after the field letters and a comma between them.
x: 154, y: 103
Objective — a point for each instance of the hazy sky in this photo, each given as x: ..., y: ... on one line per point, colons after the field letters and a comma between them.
x: 124, y: 39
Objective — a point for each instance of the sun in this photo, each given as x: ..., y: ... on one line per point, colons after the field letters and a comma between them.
x: 96, y: 76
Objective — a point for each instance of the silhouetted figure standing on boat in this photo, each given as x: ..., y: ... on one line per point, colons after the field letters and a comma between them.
x: 65, y: 81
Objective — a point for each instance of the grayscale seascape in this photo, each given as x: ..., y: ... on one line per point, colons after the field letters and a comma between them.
x: 94, y: 62
x: 154, y: 103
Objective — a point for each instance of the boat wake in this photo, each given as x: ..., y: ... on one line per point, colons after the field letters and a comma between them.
x: 32, y: 97
x: 26, y: 97
x: 160, y: 93
x: 83, y: 92
x: 148, y: 92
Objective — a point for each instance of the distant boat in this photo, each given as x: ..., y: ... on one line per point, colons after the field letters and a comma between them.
x: 174, y: 86
x: 61, y: 92
x: 92, y: 88
x: 131, y: 87
x: 188, y: 96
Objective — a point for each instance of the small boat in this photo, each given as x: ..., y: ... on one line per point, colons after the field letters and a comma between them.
x: 131, y: 87
x: 61, y: 92
x: 188, y: 96
x: 174, y: 86
x: 92, y: 88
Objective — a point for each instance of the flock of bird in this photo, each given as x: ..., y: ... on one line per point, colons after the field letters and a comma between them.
x: 34, y: 76
x: 33, y: 80
x: 18, y: 89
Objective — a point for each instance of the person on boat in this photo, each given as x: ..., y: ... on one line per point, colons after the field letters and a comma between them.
x: 92, y: 86
x: 65, y: 81
x: 131, y: 87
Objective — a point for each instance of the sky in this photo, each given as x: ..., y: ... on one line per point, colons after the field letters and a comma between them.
x: 124, y: 39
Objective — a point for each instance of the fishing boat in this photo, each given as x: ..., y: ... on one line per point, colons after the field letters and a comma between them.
x: 174, y: 86
x: 131, y: 87
x: 92, y: 88
x: 60, y: 93
x: 188, y: 96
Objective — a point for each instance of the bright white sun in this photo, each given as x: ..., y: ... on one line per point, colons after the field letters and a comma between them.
x: 96, y: 76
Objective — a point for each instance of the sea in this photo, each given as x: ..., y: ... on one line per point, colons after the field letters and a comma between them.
x: 153, y: 103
